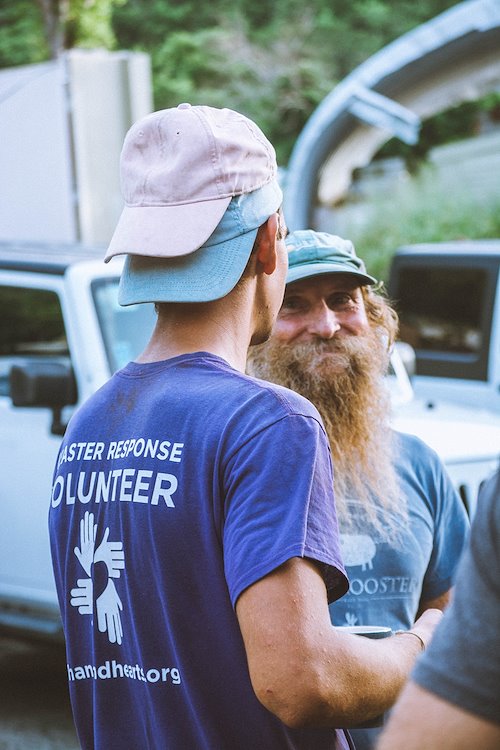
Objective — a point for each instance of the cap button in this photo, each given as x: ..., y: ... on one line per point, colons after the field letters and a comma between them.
x: 184, y: 105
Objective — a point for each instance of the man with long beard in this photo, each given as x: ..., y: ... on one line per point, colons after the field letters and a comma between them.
x: 403, y: 526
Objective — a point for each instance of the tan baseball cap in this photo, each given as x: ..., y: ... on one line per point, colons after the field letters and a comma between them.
x: 180, y: 169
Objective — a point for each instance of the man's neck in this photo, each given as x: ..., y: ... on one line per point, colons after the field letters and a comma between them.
x: 222, y: 328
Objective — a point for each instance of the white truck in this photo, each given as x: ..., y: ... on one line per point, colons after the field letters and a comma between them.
x: 62, y: 335
x: 448, y: 298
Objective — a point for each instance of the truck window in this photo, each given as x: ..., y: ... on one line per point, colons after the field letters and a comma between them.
x: 125, y: 330
x: 440, y: 309
x: 32, y: 325
x: 445, y: 314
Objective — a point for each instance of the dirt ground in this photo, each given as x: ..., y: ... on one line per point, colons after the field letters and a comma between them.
x: 35, y: 713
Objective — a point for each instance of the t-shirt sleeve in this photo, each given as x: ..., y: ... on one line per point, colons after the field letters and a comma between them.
x: 280, y: 504
x: 441, y: 508
x: 462, y: 664
x: 451, y: 532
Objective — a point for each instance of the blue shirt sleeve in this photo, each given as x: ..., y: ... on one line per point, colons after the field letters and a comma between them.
x: 450, y: 524
x: 280, y: 504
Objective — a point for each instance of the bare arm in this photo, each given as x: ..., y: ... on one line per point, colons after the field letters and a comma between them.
x: 440, y: 602
x: 423, y: 720
x: 305, y: 671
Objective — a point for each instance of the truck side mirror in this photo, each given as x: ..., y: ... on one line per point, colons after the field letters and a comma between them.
x: 44, y: 383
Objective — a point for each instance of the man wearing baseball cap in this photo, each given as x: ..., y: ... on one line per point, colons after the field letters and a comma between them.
x: 192, y: 520
x: 403, y: 525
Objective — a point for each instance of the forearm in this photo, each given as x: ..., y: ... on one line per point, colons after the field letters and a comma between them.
x: 366, y: 676
x: 304, y: 670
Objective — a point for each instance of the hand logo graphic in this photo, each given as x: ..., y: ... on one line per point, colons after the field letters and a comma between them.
x: 88, y: 531
x: 82, y: 597
x: 112, y: 554
x: 108, y: 604
x: 108, y: 616
x: 351, y: 618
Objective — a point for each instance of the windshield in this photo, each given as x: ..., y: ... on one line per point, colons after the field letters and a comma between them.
x: 125, y: 330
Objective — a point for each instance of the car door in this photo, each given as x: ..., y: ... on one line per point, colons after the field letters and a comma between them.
x: 32, y: 327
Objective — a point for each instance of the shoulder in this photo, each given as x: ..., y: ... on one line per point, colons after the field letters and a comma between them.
x: 244, y: 407
x: 490, y: 494
x: 256, y: 407
x: 415, y: 456
x: 414, y: 446
x: 246, y: 390
x: 283, y: 398
x: 422, y: 471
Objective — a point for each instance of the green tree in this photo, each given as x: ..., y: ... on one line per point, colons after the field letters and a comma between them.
x: 274, y: 61
x: 36, y: 30
x: 22, y: 39
x: 275, y: 87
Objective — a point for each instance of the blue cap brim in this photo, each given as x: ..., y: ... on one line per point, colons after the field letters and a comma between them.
x: 209, y: 273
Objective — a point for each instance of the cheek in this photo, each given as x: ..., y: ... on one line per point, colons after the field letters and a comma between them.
x: 285, y: 330
x: 359, y: 323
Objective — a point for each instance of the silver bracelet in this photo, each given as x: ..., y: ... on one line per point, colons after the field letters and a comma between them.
x: 410, y: 632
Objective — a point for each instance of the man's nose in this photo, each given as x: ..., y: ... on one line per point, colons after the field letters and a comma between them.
x: 323, y: 323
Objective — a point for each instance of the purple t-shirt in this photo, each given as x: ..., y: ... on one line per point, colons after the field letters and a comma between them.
x: 178, y: 485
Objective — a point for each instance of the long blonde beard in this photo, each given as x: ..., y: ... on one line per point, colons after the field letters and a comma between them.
x: 343, y: 378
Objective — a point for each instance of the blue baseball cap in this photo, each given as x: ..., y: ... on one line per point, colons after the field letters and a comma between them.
x: 214, y: 268
x: 313, y: 253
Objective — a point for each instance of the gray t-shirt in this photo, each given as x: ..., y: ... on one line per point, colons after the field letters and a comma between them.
x: 462, y: 664
x: 389, y: 583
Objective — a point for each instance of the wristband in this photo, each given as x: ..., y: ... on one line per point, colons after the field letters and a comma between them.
x: 410, y: 632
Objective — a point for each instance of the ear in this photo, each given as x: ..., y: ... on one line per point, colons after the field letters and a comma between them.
x: 266, y: 245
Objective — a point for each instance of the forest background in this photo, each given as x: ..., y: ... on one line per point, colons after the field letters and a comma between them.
x: 274, y: 61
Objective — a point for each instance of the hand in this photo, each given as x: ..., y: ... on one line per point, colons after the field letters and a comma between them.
x: 88, y: 531
x: 81, y: 597
x: 108, y: 606
x: 427, y: 623
x: 110, y: 553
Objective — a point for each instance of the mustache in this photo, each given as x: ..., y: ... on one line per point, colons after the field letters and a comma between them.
x: 345, y: 351
x: 336, y: 345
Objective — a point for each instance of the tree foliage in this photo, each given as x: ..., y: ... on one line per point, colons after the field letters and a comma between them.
x: 22, y: 39
x: 88, y: 23
x: 274, y: 61
x: 35, y: 30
